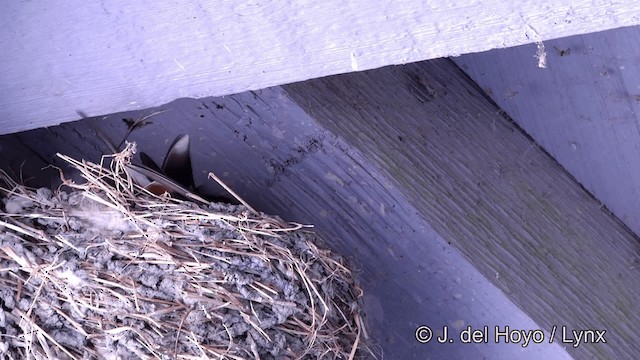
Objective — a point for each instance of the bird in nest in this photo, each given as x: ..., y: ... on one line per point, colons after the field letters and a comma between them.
x: 175, y: 176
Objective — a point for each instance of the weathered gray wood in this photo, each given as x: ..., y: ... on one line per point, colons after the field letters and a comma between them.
x: 22, y: 163
x: 103, y: 57
x: 267, y: 148
x: 584, y: 108
x: 492, y: 193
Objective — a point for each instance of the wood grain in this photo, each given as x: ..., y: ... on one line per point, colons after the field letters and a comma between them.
x: 59, y: 58
x: 486, y: 188
x: 584, y: 108
x: 283, y: 162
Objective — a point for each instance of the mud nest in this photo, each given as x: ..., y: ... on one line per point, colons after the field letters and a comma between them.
x: 108, y: 270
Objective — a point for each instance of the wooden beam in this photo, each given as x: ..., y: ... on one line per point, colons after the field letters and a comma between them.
x: 99, y: 58
x: 584, y: 108
x: 486, y: 188
x: 283, y: 162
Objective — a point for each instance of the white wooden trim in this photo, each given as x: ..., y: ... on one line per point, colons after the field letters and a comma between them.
x: 58, y: 58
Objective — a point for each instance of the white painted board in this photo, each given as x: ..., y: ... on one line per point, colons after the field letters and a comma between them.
x: 61, y: 57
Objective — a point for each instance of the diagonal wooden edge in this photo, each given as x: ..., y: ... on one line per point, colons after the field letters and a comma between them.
x: 485, y: 187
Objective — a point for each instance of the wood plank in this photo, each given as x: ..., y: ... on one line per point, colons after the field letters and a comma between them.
x: 486, y: 188
x: 267, y: 148
x: 103, y: 57
x: 584, y: 109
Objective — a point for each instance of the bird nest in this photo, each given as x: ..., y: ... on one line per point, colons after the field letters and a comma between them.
x: 109, y: 270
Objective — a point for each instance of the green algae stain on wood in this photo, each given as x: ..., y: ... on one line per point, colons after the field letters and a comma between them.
x: 500, y: 200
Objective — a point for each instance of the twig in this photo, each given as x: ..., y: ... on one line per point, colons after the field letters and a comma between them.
x: 233, y: 193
